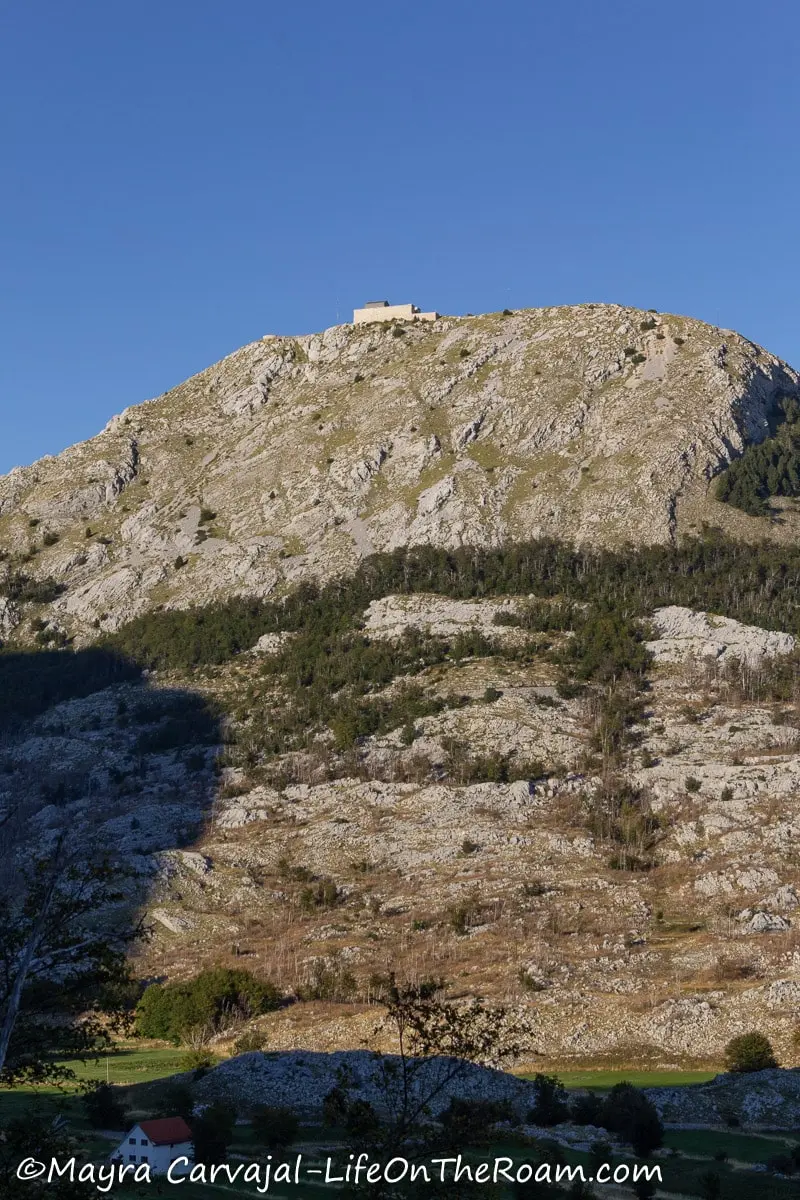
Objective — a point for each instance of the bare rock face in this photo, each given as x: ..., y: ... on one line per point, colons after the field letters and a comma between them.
x: 760, y: 1099
x: 298, y: 456
x: 686, y: 634
x: 439, y: 616
x: 304, y: 1080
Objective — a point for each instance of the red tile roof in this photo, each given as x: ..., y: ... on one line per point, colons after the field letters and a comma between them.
x: 166, y: 1131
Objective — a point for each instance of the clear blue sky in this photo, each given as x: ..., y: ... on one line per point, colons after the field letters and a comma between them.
x: 181, y: 176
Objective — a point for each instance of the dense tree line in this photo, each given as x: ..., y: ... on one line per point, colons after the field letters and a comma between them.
x: 753, y: 583
x: 624, y: 1110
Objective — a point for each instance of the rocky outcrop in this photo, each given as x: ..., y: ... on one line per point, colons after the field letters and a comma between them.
x: 686, y: 634
x: 303, y: 1080
x: 759, y: 1099
x: 438, y: 616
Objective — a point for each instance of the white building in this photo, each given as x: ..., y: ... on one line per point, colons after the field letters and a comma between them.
x: 382, y: 310
x: 157, y: 1143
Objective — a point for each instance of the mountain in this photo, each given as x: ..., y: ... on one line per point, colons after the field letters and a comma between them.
x: 299, y: 456
x: 564, y: 772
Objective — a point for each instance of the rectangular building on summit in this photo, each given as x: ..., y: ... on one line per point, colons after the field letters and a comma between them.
x: 382, y: 310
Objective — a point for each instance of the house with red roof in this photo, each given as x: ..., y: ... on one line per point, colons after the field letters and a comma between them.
x: 157, y: 1143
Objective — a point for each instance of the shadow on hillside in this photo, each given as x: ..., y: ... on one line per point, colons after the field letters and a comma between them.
x: 88, y: 742
x: 31, y: 682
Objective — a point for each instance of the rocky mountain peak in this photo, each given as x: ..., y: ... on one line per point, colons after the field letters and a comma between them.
x: 298, y: 456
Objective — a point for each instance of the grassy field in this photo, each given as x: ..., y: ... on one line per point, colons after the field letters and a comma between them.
x: 740, y: 1147
x: 126, y: 1067
x: 685, y: 1177
x: 130, y: 1065
x: 604, y: 1080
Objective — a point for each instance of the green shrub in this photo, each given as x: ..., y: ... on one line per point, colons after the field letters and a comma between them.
x: 330, y: 981
x: 530, y: 982
x: 274, y: 1127
x: 246, y: 1043
x: 408, y: 734
x: 324, y: 893
x: 750, y: 1052
x: 607, y: 646
x: 197, y: 1061
x: 550, y: 1101
x: 104, y: 1107
x: 212, y: 1133
x: 460, y: 916
x: 211, y: 1000
x: 473, y: 1122
x: 586, y: 1109
x: 176, y: 1100
x: 23, y: 589
x: 621, y: 814
x: 627, y: 1112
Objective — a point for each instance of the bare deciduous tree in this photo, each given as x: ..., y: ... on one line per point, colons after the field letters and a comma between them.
x: 61, y: 954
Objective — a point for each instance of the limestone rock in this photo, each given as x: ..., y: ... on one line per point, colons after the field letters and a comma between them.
x: 302, y: 1079
x: 686, y: 634
x: 439, y: 616
x: 760, y: 1099
x: 9, y: 617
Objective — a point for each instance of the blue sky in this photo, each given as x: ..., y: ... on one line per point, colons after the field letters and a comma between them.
x: 180, y: 177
